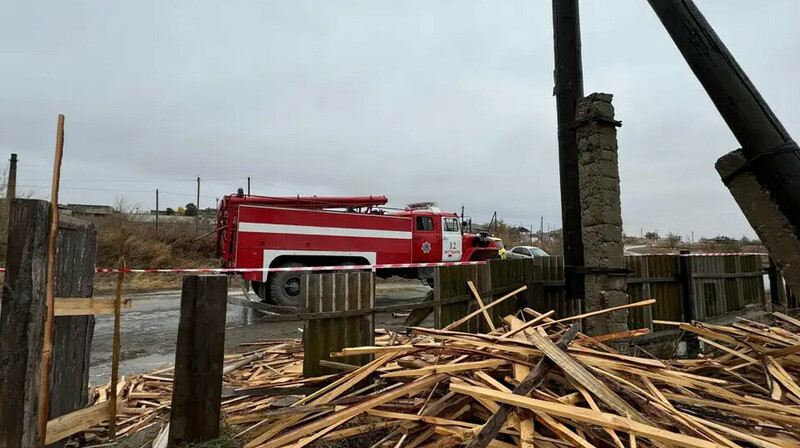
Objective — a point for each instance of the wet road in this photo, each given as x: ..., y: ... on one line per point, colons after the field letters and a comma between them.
x: 150, y: 327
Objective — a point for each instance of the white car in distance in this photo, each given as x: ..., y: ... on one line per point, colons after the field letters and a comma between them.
x: 526, y: 252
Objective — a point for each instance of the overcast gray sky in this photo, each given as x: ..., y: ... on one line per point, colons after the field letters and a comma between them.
x: 448, y: 101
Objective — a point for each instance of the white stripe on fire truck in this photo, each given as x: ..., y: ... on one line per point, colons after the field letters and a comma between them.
x: 260, y: 227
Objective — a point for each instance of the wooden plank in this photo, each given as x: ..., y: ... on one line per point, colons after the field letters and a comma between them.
x: 789, y: 319
x: 115, y: 350
x: 613, y: 336
x: 85, y: 306
x: 481, y: 305
x: 562, y: 431
x: 598, y: 312
x: 493, y: 304
x: 526, y: 386
x: 756, y: 441
x: 72, y: 339
x: 728, y: 350
x: 22, y: 321
x: 377, y: 350
x: 584, y: 415
x: 593, y: 406
x: 490, y: 364
x: 199, y: 355
x: 533, y: 322
x: 322, y: 396
x: 760, y: 413
x: 779, y: 373
x: 49, y: 321
x: 526, y: 426
x: 75, y: 422
x: 336, y: 419
x: 572, y: 368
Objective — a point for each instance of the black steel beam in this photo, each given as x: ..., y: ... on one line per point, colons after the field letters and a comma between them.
x: 568, y: 91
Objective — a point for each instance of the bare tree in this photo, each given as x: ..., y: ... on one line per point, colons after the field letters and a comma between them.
x: 673, y: 239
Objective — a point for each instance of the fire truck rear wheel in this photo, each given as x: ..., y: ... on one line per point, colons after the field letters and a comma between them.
x: 285, y: 287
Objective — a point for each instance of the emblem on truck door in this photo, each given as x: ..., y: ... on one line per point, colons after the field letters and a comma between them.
x: 426, y: 247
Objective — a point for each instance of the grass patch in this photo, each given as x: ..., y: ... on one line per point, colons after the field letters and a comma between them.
x: 220, y: 442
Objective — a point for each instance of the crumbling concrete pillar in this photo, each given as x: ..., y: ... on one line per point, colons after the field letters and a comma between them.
x: 764, y: 214
x: 601, y: 214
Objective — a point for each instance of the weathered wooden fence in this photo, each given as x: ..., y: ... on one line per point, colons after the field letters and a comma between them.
x: 453, y: 299
x: 717, y: 285
x: 684, y: 287
x: 340, y: 306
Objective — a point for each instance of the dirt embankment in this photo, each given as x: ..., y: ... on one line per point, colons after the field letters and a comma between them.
x: 175, y: 245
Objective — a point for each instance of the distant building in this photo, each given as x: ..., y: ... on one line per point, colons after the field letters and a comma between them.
x: 162, y: 218
x: 88, y: 209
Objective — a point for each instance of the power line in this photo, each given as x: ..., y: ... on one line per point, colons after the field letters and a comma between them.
x: 118, y: 190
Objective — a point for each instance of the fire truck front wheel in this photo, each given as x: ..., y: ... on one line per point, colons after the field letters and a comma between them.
x: 285, y: 287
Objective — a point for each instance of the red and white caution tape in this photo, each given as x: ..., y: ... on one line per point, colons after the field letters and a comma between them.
x: 730, y: 254
x: 357, y: 267
x: 292, y: 269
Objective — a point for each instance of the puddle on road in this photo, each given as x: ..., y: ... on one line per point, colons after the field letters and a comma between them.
x: 149, y: 330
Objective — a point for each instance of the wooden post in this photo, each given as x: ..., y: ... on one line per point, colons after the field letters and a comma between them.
x: 72, y: 338
x: 11, y: 188
x: 197, y: 207
x: 47, y: 350
x: 787, y: 297
x: 197, y: 382
x: 156, y: 211
x: 775, y: 285
x: 568, y: 91
x: 689, y: 305
x: 22, y: 321
x: 340, y: 291
x: 112, y: 405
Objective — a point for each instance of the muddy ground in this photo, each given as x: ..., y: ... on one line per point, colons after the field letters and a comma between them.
x: 150, y: 327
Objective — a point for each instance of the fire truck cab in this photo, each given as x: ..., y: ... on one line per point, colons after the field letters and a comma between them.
x: 268, y: 232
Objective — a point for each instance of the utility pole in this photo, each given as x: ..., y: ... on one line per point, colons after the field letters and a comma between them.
x: 156, y: 211
x: 568, y: 90
x: 197, y: 204
x: 541, y: 230
x: 11, y: 188
x: 248, y: 185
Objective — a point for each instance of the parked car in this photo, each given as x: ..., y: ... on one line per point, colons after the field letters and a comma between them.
x: 526, y: 252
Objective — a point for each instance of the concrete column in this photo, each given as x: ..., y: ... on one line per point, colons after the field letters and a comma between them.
x: 601, y: 213
x: 764, y: 214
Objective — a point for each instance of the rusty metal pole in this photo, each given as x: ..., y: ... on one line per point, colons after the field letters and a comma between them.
x: 568, y: 91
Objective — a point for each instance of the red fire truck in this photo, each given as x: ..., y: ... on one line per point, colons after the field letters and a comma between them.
x: 269, y: 232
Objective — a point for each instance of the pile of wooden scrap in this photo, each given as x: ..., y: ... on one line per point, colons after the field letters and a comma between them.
x: 535, y: 383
